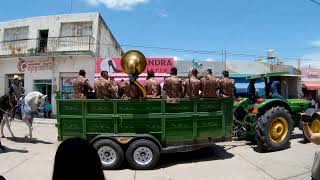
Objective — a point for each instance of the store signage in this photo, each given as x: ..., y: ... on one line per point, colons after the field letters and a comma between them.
x: 113, y: 65
x: 33, y: 66
x: 312, y: 74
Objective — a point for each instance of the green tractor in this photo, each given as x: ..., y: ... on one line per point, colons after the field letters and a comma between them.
x: 269, y: 120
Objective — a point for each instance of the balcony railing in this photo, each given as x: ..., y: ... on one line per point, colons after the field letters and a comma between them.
x: 51, y: 45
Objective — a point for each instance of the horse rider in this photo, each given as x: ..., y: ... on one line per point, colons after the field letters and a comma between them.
x: 173, y: 87
x: 210, y: 85
x: 192, y: 85
x: 152, y: 86
x: 227, y: 85
x: 17, y: 90
x: 81, y: 86
x: 16, y: 87
x: 103, y: 87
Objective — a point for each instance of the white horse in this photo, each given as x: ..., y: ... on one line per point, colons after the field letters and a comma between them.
x: 29, y: 107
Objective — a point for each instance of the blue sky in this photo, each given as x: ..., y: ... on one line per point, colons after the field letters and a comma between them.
x: 292, y: 28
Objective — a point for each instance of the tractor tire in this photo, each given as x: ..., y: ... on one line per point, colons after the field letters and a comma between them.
x: 143, y: 154
x: 110, y: 153
x: 274, y: 129
x: 314, y: 126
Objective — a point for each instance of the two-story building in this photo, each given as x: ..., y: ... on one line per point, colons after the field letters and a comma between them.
x: 48, y: 52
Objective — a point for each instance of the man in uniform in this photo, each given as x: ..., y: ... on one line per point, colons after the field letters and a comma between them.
x: 227, y: 85
x: 115, y: 88
x: 210, y: 85
x: 131, y: 89
x: 192, y: 85
x: 122, y: 86
x: 173, y: 87
x: 103, y: 87
x: 81, y: 86
x: 152, y: 86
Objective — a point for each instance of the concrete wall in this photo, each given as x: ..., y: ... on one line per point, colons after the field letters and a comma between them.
x: 53, y: 23
x: 108, y: 46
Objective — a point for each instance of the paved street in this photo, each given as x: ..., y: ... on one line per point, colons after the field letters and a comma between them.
x: 228, y: 160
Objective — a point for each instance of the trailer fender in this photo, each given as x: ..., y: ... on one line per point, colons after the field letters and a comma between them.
x: 126, y: 139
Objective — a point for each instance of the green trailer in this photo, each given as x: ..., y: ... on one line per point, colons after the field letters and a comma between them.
x: 140, y: 130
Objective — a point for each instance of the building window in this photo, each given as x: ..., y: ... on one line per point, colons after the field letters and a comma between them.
x: 76, y: 29
x: 19, y: 33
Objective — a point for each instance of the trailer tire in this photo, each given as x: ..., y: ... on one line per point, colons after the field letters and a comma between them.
x: 274, y: 129
x: 143, y: 154
x: 110, y: 153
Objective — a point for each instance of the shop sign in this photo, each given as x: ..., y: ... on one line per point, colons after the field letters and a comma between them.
x: 113, y: 65
x: 33, y: 66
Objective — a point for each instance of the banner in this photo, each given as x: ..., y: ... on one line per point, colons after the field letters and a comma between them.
x: 113, y: 65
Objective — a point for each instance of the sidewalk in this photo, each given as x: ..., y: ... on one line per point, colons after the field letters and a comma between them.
x: 40, y: 121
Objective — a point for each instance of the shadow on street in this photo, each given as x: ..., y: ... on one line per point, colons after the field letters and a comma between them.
x: 8, y: 150
x: 28, y: 140
x: 211, y: 153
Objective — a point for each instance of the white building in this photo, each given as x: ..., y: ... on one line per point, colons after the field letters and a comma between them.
x: 48, y: 52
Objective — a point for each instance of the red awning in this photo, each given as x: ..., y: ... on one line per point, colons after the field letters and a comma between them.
x: 311, y: 85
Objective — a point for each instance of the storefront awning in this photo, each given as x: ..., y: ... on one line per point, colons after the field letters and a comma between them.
x: 311, y: 85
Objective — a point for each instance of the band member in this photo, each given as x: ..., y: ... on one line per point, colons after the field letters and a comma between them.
x: 152, y: 86
x: 103, y: 87
x: 173, y: 87
x: 115, y: 88
x: 81, y: 86
x: 210, y: 85
x: 192, y: 85
x: 227, y: 86
x: 122, y: 86
x: 16, y: 87
x: 132, y: 90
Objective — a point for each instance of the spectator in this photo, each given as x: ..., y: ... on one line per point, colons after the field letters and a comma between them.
x: 314, y: 138
x: 47, y: 109
x: 77, y: 159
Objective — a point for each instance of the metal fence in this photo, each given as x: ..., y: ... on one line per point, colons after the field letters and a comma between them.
x: 48, y: 45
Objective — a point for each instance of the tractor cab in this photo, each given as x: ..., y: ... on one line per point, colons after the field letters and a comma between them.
x: 287, y: 85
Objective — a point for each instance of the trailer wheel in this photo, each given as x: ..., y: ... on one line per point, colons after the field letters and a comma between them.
x: 274, y: 129
x: 314, y: 126
x: 110, y: 153
x: 143, y: 154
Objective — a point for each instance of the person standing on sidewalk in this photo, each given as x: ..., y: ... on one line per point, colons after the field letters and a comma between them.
x: 314, y: 138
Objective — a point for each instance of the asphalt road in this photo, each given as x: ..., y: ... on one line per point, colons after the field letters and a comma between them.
x: 229, y: 160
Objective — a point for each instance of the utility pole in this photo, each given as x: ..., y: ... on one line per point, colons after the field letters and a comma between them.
x: 224, y: 58
x: 299, y: 63
x: 71, y: 3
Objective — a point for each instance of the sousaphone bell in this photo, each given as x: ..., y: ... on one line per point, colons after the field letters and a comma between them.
x: 134, y: 63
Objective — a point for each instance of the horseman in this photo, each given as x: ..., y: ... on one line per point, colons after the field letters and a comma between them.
x: 17, y: 90
x: 16, y: 87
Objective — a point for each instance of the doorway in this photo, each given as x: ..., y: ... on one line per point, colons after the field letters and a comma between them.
x: 43, y: 40
x: 44, y: 87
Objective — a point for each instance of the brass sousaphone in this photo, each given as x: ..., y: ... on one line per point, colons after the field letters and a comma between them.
x: 134, y: 62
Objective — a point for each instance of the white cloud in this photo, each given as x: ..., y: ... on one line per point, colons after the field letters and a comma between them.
x: 118, y: 4
x: 176, y: 58
x: 162, y: 13
x: 315, y: 43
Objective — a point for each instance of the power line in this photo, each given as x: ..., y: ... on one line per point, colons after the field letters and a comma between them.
x: 316, y: 2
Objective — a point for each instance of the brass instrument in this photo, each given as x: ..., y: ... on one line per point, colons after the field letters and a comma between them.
x: 134, y: 62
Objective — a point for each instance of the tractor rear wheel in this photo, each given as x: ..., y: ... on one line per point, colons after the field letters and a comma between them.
x: 314, y: 126
x: 273, y: 129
